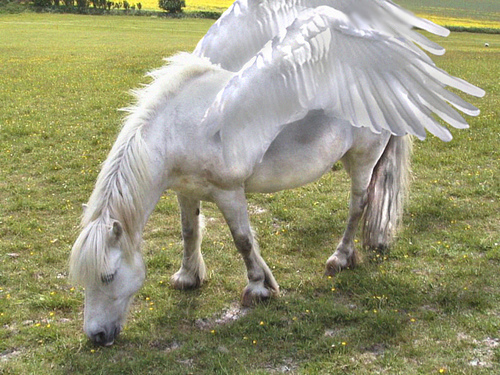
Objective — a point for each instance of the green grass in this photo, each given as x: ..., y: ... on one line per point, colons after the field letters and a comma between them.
x: 431, y: 306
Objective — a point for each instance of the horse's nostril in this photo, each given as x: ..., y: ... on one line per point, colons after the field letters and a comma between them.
x: 105, y: 337
x: 99, y: 338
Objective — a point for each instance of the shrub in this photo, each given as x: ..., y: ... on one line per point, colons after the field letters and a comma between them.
x: 172, y: 6
x: 82, y: 4
x: 12, y: 6
x: 99, y: 4
x: 42, y: 3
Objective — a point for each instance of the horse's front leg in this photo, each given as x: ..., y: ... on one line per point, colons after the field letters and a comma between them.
x: 261, y: 282
x: 192, y: 271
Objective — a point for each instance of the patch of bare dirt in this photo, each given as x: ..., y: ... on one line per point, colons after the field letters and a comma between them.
x: 9, y: 354
x: 484, y: 352
x: 287, y: 367
x: 233, y: 313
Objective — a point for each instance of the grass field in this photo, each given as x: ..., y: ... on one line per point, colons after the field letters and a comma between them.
x: 431, y: 307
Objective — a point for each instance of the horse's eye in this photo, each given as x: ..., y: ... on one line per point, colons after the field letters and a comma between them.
x: 106, y: 279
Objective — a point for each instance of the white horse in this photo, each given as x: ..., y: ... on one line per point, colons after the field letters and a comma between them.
x: 328, y: 87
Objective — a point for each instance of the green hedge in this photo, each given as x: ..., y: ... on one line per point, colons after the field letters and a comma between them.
x: 172, y: 6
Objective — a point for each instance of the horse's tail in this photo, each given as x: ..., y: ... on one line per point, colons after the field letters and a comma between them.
x: 386, y: 194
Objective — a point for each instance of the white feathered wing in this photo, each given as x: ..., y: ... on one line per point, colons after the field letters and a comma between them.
x: 322, y: 61
x: 249, y: 24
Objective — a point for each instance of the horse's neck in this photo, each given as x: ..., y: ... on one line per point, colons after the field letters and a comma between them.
x: 176, y: 132
x: 196, y: 96
x: 158, y: 167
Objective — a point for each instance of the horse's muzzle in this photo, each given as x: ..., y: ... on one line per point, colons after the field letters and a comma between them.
x: 105, y: 338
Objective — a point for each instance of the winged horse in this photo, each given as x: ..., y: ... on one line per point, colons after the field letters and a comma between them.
x: 274, y: 94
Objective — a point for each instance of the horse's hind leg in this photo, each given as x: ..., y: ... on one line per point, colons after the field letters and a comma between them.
x: 346, y: 256
x: 261, y: 282
x: 359, y: 164
x: 192, y: 271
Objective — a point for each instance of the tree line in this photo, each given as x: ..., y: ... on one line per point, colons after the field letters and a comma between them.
x: 170, y: 6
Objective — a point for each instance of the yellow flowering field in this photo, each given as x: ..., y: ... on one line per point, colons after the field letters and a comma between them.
x: 462, y: 22
x: 216, y: 5
x: 193, y: 5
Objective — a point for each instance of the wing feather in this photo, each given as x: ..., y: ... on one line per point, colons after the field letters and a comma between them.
x: 434, y: 102
x: 457, y: 102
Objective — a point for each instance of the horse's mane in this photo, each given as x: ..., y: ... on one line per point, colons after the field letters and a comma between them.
x: 125, y: 180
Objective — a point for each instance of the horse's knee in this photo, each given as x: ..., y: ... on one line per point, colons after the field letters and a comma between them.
x: 243, y: 243
x: 188, y: 232
x: 359, y: 198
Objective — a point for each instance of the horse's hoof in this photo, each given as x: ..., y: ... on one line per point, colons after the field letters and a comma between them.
x: 184, y: 281
x: 334, y: 265
x: 254, y: 295
x: 332, y: 270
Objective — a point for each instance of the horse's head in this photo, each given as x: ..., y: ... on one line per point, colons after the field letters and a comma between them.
x: 111, y: 272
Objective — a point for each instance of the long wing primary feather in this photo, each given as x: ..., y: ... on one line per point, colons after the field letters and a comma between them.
x: 249, y: 24
x: 322, y: 61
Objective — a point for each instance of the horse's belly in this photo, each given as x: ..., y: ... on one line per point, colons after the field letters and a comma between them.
x: 301, y: 153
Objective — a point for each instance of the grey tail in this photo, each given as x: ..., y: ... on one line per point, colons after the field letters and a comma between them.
x: 386, y: 194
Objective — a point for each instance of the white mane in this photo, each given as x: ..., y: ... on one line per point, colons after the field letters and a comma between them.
x: 124, y: 180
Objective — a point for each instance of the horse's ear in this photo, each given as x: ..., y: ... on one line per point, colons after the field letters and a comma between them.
x: 117, y: 230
